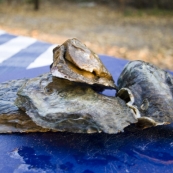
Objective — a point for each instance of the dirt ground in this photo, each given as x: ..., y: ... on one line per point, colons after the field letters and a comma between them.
x: 103, y: 28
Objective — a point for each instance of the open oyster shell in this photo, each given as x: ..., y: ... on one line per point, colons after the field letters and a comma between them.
x: 12, y: 119
x: 75, y: 62
x: 149, y: 90
x: 63, y: 105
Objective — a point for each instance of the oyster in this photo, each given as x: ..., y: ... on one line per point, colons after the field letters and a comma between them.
x: 150, y: 91
x: 11, y: 118
x: 63, y: 105
x: 75, y: 62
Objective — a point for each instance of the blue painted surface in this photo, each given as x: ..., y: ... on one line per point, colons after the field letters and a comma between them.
x: 150, y: 150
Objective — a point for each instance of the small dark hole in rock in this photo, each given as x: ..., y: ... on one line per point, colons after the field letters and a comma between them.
x: 124, y: 95
x: 94, y: 73
x: 48, y: 90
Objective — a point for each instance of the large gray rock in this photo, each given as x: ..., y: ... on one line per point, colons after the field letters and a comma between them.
x: 63, y: 105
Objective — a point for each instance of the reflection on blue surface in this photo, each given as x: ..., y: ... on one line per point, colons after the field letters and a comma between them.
x: 149, y: 150
x: 153, y: 156
x: 33, y: 160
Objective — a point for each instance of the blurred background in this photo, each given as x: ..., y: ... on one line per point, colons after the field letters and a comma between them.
x: 130, y: 29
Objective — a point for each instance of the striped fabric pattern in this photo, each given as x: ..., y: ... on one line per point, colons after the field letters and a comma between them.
x: 23, y: 57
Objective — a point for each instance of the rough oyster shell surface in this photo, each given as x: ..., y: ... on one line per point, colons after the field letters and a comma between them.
x: 12, y: 119
x: 152, y: 91
x: 63, y: 105
x: 75, y: 62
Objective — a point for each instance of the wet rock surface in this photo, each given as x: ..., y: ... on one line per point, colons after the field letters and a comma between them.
x: 63, y: 105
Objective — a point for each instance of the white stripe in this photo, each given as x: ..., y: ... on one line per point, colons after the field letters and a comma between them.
x: 13, y: 46
x: 2, y: 32
x: 44, y: 59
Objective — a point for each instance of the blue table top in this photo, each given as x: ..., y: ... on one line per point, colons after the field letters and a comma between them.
x: 149, y: 150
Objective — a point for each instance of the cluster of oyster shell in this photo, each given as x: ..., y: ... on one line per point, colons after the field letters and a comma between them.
x: 68, y: 98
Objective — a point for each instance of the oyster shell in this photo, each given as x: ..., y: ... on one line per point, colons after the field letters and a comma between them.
x: 149, y: 90
x: 75, y: 62
x: 63, y: 105
x: 11, y: 118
